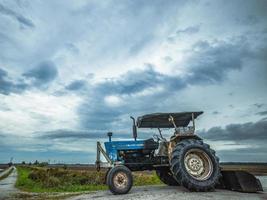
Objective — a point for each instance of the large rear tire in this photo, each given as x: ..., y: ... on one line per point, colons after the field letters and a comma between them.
x: 119, y: 180
x: 195, y: 166
x: 165, y: 175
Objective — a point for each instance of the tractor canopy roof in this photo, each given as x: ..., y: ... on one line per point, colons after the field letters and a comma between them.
x: 161, y: 120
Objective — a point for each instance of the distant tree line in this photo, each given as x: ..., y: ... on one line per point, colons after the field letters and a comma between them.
x: 36, y: 163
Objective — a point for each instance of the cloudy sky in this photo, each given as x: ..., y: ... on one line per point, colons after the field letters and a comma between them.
x: 72, y: 70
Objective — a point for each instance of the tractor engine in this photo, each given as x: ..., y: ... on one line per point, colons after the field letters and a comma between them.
x: 143, y: 159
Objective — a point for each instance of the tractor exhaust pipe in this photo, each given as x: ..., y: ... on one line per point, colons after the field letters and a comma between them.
x: 134, y: 129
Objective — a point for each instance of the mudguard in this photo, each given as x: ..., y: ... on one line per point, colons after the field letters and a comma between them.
x: 240, y: 181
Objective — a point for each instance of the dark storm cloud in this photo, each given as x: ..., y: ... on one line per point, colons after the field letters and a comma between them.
x: 253, y: 12
x: 97, y: 114
x: 262, y: 113
x: 21, y: 19
x: 45, y: 72
x: 68, y: 134
x: 188, y: 30
x: 258, y: 105
x: 8, y: 86
x: 184, y: 32
x: 215, y: 112
x: 3, y: 73
x: 168, y: 58
x: 256, y: 131
x: 209, y: 63
x: 59, y: 134
x: 248, y: 141
x: 136, y: 81
x: 76, y: 85
x: 248, y: 20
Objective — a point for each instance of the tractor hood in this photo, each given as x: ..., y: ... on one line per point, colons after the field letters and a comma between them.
x: 161, y: 120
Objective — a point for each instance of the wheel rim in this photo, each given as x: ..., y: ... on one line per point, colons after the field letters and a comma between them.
x: 120, y: 180
x: 198, y: 164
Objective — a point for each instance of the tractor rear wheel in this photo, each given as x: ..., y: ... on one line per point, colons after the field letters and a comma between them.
x: 119, y: 180
x: 165, y: 175
x: 195, y: 166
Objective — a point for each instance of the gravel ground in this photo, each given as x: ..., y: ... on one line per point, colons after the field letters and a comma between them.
x: 170, y: 193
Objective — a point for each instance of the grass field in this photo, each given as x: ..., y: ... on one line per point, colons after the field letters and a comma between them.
x: 34, y: 179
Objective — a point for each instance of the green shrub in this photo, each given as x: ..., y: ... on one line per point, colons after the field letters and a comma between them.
x: 33, y: 176
x: 42, y: 164
x: 51, y: 182
x: 38, y: 175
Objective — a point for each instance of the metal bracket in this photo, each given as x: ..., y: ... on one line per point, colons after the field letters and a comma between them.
x: 173, y: 122
x: 193, y: 120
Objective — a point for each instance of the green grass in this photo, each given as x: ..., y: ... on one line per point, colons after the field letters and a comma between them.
x: 141, y: 179
x: 59, y: 180
x: 24, y: 183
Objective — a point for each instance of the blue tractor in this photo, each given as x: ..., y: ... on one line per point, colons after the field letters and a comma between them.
x: 183, y: 160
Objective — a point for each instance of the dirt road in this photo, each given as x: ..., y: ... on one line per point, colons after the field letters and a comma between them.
x: 171, y: 193
x: 7, y: 185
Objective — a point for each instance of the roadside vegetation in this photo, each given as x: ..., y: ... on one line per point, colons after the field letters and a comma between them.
x: 43, y: 179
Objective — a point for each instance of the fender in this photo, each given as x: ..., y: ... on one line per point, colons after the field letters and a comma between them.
x: 177, y: 138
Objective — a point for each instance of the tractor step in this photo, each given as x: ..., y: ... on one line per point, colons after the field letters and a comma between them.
x: 240, y: 181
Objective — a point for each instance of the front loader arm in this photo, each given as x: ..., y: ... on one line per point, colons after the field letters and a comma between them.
x: 100, y: 150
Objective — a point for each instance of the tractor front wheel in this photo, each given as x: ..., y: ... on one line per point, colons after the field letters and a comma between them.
x: 119, y: 180
x: 195, y: 166
x: 165, y: 175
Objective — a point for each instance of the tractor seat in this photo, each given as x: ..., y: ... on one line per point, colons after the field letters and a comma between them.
x: 150, y: 144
